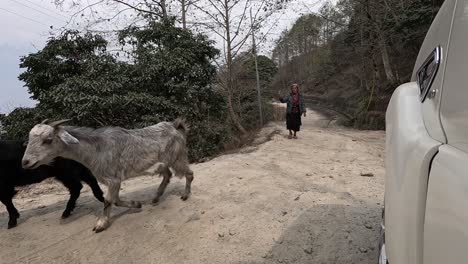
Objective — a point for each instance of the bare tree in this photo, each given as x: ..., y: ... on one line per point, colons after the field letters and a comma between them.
x: 156, y: 8
x: 128, y: 12
x: 185, y: 6
x: 375, y: 12
x: 228, y: 20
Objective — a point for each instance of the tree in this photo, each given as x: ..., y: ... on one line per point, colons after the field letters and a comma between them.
x: 365, y: 49
x: 118, y: 14
x: 228, y: 20
x: 225, y: 19
x: 184, y: 9
x: 63, y: 57
x: 170, y: 75
x: 2, y: 129
x: 18, y: 123
x: 304, y: 37
x: 245, y: 94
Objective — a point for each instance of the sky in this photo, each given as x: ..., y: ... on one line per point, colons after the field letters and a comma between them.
x: 25, y: 26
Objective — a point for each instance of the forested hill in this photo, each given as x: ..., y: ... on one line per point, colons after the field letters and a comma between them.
x: 350, y: 56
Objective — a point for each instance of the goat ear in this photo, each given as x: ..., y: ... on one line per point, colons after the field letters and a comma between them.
x: 25, y: 143
x: 67, y: 138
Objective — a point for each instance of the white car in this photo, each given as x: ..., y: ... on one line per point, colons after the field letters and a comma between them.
x: 425, y: 219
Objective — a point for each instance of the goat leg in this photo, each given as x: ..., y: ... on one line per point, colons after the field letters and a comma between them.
x: 12, y: 212
x: 188, y: 185
x: 89, y: 179
x: 71, y: 204
x: 111, y: 197
x: 162, y: 187
x: 74, y: 188
x: 103, y: 222
x: 6, y: 197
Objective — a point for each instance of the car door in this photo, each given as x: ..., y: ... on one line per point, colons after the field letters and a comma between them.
x: 414, y: 135
x: 437, y: 38
x: 446, y: 220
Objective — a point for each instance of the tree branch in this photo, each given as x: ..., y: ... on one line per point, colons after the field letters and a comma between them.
x: 135, y: 7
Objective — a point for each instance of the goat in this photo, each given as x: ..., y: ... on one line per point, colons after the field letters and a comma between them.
x: 69, y: 173
x: 114, y: 154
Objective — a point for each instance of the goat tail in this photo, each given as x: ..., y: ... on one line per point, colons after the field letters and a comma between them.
x: 181, y: 125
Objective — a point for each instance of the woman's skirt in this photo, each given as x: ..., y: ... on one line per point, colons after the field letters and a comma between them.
x: 293, y: 121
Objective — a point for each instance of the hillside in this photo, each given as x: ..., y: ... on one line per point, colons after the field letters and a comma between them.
x: 351, y: 56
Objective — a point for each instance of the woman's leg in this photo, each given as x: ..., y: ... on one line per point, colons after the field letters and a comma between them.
x: 297, y: 119
x: 290, y: 133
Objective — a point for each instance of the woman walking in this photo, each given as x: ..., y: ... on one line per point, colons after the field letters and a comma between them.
x: 295, y: 109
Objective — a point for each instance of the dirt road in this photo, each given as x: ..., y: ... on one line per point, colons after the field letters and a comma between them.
x: 284, y: 201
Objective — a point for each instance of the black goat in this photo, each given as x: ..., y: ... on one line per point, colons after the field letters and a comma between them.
x: 69, y: 173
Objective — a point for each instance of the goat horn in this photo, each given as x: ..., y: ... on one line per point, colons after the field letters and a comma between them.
x: 45, y: 121
x: 59, y: 122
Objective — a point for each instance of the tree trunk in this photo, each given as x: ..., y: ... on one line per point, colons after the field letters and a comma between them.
x: 184, y: 14
x: 164, y: 9
x: 386, y: 60
x: 374, y: 54
x: 234, y: 117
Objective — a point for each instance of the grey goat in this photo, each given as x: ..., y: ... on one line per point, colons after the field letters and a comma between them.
x: 114, y: 154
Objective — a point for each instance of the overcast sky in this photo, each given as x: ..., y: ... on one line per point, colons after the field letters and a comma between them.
x: 25, y: 27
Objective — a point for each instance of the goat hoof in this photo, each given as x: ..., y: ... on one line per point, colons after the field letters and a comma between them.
x: 184, y: 197
x: 137, y: 204
x: 155, y: 201
x: 101, y: 225
x: 66, y: 215
x: 12, y: 222
x: 98, y: 230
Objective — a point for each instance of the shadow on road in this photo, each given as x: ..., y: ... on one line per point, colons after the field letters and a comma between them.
x: 88, y: 205
x: 328, y: 234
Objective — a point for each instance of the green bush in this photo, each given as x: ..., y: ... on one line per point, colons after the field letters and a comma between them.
x: 170, y: 75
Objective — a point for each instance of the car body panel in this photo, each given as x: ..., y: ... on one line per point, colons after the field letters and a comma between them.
x: 438, y: 35
x: 426, y: 189
x: 409, y: 151
x: 445, y: 228
x: 454, y: 104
